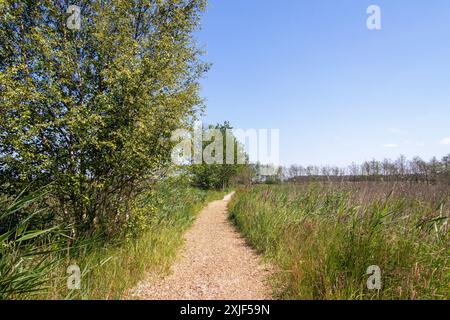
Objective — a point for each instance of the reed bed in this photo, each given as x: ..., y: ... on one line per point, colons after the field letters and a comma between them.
x: 322, y: 237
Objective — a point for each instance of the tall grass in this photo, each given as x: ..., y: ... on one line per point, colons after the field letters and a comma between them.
x: 323, y: 237
x: 157, y: 223
x: 28, y: 254
x: 33, y: 262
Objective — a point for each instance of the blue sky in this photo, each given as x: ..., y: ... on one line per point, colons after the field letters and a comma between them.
x: 337, y: 91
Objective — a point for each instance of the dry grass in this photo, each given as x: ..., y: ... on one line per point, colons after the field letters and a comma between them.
x: 323, y: 237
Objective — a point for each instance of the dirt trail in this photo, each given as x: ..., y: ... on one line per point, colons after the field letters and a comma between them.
x: 216, y: 264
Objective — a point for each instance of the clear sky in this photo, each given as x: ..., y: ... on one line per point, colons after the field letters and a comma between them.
x: 337, y: 91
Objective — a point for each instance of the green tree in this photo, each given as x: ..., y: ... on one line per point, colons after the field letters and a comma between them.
x: 92, y: 110
x: 220, y: 176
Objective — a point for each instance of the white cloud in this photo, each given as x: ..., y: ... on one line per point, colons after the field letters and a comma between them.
x: 445, y: 141
x: 391, y: 145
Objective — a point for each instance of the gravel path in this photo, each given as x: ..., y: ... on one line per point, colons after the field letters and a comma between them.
x: 216, y: 264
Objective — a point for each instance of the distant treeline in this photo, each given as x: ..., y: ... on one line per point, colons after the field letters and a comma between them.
x: 402, y: 169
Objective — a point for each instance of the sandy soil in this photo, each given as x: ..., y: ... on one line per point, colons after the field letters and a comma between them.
x: 215, y: 264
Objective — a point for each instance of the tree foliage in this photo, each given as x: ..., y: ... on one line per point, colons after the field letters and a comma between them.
x: 401, y: 169
x: 93, y: 110
x: 222, y: 175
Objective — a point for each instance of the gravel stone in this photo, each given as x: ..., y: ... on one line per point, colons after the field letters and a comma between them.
x: 215, y: 264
